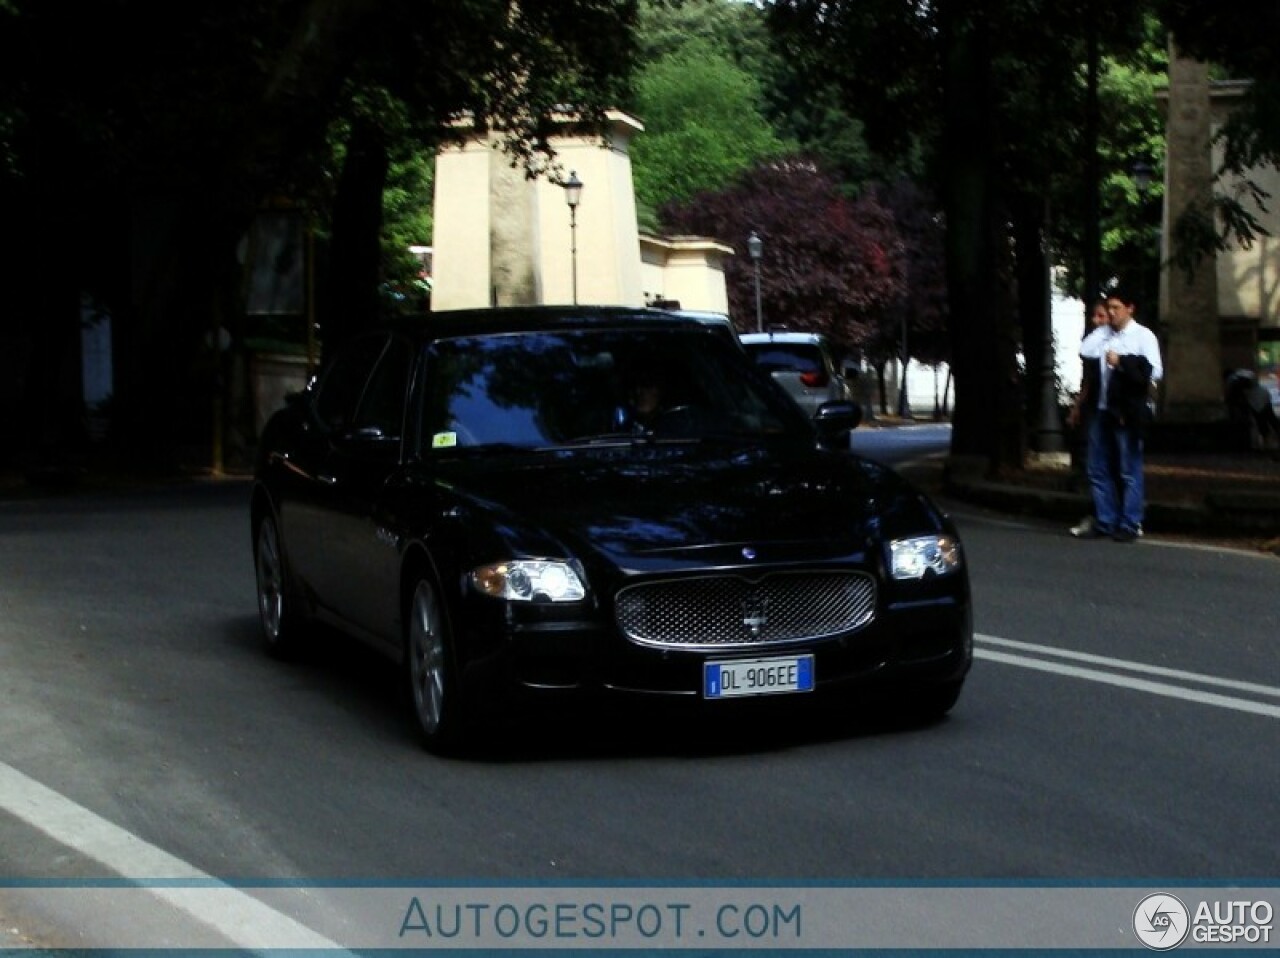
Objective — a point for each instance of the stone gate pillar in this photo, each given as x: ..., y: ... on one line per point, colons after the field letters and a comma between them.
x: 1188, y: 304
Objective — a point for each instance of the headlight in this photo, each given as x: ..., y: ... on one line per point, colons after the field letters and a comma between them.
x: 913, y: 558
x: 530, y: 580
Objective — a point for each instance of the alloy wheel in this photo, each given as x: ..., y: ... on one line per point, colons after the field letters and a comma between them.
x: 428, y: 664
x: 270, y: 570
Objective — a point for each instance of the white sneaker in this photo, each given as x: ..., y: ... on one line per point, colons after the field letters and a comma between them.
x: 1083, y: 528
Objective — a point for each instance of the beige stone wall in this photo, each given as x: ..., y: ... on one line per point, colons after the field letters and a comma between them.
x: 502, y: 238
x: 460, y: 266
x: 686, y: 270
x: 1192, y: 388
x: 608, y: 244
x: 1249, y: 279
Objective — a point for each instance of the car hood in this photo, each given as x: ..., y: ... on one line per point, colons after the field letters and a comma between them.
x: 652, y: 506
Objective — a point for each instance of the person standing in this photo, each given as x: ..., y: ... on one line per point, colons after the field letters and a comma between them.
x: 1080, y: 416
x: 1127, y: 358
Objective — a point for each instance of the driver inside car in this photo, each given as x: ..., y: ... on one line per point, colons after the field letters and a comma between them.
x: 646, y: 399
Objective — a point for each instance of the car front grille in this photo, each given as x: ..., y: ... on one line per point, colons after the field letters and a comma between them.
x: 731, y: 612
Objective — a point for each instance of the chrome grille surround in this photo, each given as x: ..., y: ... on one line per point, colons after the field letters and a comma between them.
x: 726, y: 611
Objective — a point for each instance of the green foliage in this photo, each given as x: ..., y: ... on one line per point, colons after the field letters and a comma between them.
x: 804, y: 111
x: 1131, y: 131
x: 728, y: 27
x: 702, y: 122
x: 406, y: 218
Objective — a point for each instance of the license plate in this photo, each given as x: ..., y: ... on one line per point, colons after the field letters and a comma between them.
x: 738, y: 677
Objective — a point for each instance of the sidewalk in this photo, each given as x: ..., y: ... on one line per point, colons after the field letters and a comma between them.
x: 1211, y: 496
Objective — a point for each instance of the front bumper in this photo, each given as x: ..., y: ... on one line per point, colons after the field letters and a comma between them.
x: 540, y: 653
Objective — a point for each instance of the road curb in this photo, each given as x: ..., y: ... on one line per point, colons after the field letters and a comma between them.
x: 1221, y: 514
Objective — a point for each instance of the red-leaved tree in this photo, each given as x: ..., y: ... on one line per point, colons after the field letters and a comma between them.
x: 830, y: 264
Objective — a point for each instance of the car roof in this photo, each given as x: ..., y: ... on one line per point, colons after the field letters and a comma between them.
x: 449, y: 324
x: 781, y: 337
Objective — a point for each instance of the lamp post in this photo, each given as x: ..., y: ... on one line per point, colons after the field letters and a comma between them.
x: 755, y: 246
x: 904, y: 406
x: 1049, y: 437
x: 573, y: 196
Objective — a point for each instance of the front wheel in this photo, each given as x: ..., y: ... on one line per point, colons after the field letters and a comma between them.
x: 929, y: 703
x: 434, y: 695
x: 280, y: 622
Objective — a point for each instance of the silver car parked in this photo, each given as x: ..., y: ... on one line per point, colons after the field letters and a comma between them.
x: 804, y: 364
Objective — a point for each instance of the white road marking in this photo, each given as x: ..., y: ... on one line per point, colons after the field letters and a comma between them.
x: 1165, y: 689
x: 1130, y: 666
x: 231, y: 913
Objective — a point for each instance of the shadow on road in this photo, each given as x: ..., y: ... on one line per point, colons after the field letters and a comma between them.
x: 584, y: 728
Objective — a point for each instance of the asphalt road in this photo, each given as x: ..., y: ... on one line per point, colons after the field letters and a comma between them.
x: 1121, y: 721
x: 898, y: 444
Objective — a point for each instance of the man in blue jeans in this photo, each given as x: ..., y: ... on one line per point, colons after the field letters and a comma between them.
x: 1128, y: 358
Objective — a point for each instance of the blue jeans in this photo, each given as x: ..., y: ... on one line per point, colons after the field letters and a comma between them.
x: 1115, y: 473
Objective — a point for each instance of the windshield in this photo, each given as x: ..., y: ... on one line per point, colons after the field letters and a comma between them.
x: 536, y: 390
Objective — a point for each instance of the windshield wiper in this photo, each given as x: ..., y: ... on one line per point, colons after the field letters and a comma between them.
x: 607, y: 438
x: 484, y: 448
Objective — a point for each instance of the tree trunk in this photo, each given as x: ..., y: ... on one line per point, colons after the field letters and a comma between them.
x: 987, y: 422
x: 356, y: 248
x: 50, y: 416
x: 1092, y: 178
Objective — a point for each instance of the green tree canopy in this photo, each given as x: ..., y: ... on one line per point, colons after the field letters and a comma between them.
x: 804, y: 110
x: 703, y: 124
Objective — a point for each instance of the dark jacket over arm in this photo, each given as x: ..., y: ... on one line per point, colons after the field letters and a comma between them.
x: 1127, y: 391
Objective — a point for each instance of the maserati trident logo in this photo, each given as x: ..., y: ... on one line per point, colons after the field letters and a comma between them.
x: 755, y: 613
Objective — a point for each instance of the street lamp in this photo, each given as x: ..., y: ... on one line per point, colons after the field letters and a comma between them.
x: 904, y: 405
x: 573, y: 196
x: 755, y: 246
x: 1049, y: 437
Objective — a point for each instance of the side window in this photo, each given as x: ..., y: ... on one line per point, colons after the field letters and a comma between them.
x: 343, y: 383
x: 382, y: 407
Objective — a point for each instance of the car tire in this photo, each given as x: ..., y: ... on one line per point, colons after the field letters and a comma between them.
x: 434, y: 693
x: 282, y: 624
x: 929, y: 703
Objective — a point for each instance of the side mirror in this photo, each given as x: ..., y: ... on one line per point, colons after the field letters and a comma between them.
x: 834, y: 421
x: 368, y: 441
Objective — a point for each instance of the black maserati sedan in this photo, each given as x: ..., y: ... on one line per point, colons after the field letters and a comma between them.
x: 529, y: 504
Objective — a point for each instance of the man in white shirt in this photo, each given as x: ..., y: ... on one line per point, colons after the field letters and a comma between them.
x: 1128, y: 358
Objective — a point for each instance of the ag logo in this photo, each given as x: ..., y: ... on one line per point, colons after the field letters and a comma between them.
x: 1161, y: 922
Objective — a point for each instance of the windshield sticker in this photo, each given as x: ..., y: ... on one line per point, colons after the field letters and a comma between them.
x: 444, y: 440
